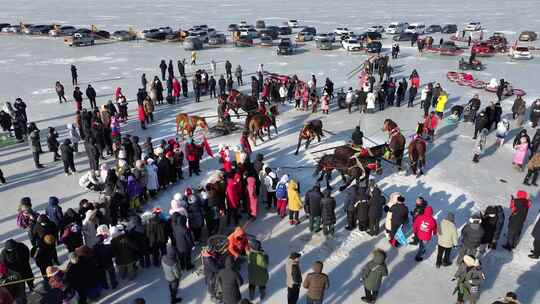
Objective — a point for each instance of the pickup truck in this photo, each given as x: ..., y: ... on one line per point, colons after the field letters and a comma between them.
x: 79, y: 39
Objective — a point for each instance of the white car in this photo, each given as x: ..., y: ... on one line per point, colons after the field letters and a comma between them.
x: 396, y: 28
x: 342, y: 31
x: 352, y: 44
x: 293, y: 23
x: 418, y: 28
x: 165, y: 29
x: 329, y: 36
x: 521, y: 52
x: 11, y: 29
x: 250, y: 32
x: 473, y: 26
x: 376, y: 28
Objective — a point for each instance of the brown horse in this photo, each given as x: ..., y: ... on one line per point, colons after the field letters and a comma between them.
x: 312, y: 129
x: 186, y: 124
x: 417, y: 155
x: 396, y: 142
x: 256, y: 123
x: 236, y: 100
x: 349, y: 166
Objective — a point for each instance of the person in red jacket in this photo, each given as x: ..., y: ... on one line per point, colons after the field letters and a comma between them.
x: 430, y: 125
x: 424, y: 227
x: 176, y: 88
x: 251, y: 195
x: 225, y: 158
x: 520, y: 206
x: 142, y: 116
x: 233, y: 194
x: 192, y: 155
x: 244, y: 142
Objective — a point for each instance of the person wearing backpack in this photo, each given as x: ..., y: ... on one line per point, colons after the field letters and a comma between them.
x: 257, y: 270
x: 281, y: 195
x: 469, y: 278
x: 372, y: 275
x: 270, y: 182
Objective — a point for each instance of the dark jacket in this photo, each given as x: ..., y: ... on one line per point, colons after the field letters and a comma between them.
x: 16, y: 256
x: 182, y: 238
x: 357, y: 137
x: 376, y: 203
x: 520, y: 208
x: 328, y: 206
x: 374, y: 271
x: 536, y: 230
x: 124, y: 249
x: 471, y: 235
x: 211, y: 266
x: 54, y: 211
x: 492, y: 223
x: 312, y: 201
x: 482, y: 121
x: 316, y: 282
x: 400, y: 214
x: 66, y: 151
x: 136, y: 148
x: 103, y: 254
x: 52, y: 141
x: 156, y: 231
x: 90, y: 93
x: 230, y: 281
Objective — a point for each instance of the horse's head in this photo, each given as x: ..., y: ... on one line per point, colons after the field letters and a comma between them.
x: 420, y: 128
x: 203, y: 125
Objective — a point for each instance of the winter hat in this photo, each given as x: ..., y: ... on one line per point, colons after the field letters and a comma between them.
x: 150, y: 161
x: 122, y: 154
x: 178, y: 197
x: 470, y: 261
x: 476, y: 218
x: 511, y: 296
x: 102, y: 230
x: 522, y: 194
x: 169, y: 154
x: 175, y: 207
x: 188, y: 191
x: 284, y: 179
x: 295, y: 255
x: 26, y: 202
x: 401, y: 199
x: 156, y: 210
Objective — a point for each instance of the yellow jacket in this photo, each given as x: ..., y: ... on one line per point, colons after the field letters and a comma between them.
x: 441, y: 103
x: 295, y: 203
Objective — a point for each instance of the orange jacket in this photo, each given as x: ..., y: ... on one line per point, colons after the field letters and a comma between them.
x: 238, y: 242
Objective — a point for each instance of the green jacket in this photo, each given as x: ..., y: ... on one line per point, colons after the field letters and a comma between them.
x: 374, y: 271
x: 257, y: 268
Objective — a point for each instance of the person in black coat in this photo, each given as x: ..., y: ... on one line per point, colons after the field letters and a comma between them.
x: 91, y: 95
x: 170, y: 70
x: 362, y: 209
x: 157, y: 231
x: 481, y: 122
x: 97, y: 133
x: 328, y: 214
x: 535, y: 253
x: 93, y: 154
x: 104, y: 255
x: 16, y: 256
x: 492, y: 223
x: 375, y: 212
x: 350, y: 207
x: 212, y: 84
x: 228, y: 68
x: 312, y: 207
x: 182, y: 240
x: 222, y: 83
x: 254, y: 87
x: 81, y: 274
x: 127, y: 146
x: 535, y: 143
x: 230, y: 281
x: 52, y: 143
x: 163, y: 171
x: 500, y: 89
x: 357, y: 137
x: 144, y: 82
x: 66, y: 151
x: 519, y: 206
x: 400, y: 216
x: 181, y: 67
x: 163, y: 68
x: 138, y: 237
x: 211, y: 266
x: 137, y: 151
x: 184, y: 83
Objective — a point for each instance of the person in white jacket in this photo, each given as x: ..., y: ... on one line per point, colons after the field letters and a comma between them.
x: 503, y: 127
x: 270, y: 182
x: 370, y: 101
x: 282, y: 93
x: 153, y: 182
x: 349, y: 98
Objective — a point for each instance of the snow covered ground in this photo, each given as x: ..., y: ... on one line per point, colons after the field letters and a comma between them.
x: 30, y: 66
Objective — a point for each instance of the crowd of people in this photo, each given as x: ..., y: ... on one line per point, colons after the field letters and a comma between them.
x: 114, y: 238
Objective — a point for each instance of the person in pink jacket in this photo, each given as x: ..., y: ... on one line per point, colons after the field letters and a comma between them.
x: 252, y: 196
x: 521, y: 153
x: 424, y: 227
x: 325, y: 100
x: 305, y: 99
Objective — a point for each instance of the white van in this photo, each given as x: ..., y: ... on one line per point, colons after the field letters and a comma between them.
x: 396, y: 27
x: 418, y: 28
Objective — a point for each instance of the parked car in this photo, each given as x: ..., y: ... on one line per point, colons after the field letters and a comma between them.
x: 3, y: 25
x: 521, y: 52
x: 449, y: 29
x: 79, y: 39
x: 65, y: 30
x: 285, y: 47
x: 293, y: 23
x: 123, y: 35
x: 473, y: 26
x: 310, y: 29
x: 374, y: 47
x: 352, y: 44
x: 38, y: 29
x: 192, y: 43
x: 260, y: 24
x: 233, y: 27
x: 251, y: 32
x: 165, y: 29
x: 266, y: 41
x: 154, y: 34
x: 396, y: 27
x: 217, y: 39
x: 324, y: 44
x: 269, y: 32
x: 483, y: 48
x: 304, y: 36
x: 403, y: 37
x: 527, y: 36
x: 376, y: 28
x: 101, y: 34
x: 371, y: 36
x: 202, y: 35
x: 434, y: 28
x: 11, y: 29
x: 285, y: 30
x: 244, y: 40
x: 340, y: 31
x: 329, y: 36
x: 418, y: 28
